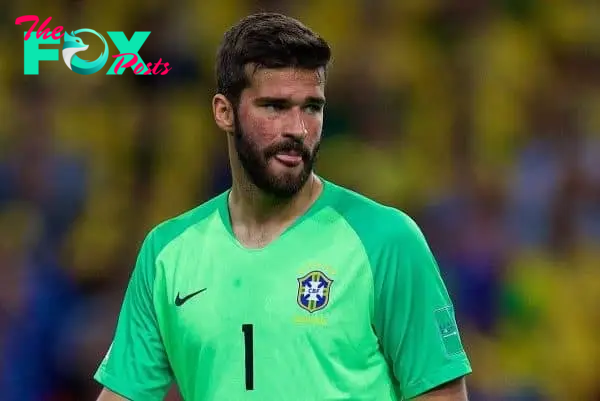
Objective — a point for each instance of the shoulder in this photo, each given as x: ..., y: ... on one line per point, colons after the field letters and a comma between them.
x: 374, y: 222
x: 167, y: 231
x: 392, y: 240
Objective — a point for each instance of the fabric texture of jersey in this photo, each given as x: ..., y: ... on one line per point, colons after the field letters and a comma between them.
x: 347, y: 304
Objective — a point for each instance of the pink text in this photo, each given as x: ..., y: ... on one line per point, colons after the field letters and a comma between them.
x: 140, y: 67
x: 42, y: 30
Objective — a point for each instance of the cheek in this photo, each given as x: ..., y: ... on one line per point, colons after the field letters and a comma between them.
x: 261, y: 129
x: 314, y: 127
x: 267, y: 129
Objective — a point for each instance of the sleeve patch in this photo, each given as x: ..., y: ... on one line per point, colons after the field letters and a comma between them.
x: 448, y: 330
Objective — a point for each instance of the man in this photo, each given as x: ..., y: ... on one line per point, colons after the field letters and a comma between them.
x: 286, y: 287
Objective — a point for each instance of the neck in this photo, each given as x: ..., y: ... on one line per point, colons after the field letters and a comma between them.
x: 251, y: 207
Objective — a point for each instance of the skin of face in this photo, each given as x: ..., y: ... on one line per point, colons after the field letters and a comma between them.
x: 277, y: 128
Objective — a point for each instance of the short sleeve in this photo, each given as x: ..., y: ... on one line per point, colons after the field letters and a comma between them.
x: 414, y: 316
x: 136, y: 365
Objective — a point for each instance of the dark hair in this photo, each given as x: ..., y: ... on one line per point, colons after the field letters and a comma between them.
x: 266, y: 40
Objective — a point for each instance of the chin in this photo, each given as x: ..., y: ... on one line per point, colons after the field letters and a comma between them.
x: 284, y: 173
x: 286, y: 184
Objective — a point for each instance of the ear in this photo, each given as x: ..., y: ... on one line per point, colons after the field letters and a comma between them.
x: 223, y: 113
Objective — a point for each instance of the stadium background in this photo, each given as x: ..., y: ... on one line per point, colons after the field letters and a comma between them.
x: 481, y: 119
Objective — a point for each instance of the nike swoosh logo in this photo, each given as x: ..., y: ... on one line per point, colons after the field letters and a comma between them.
x: 180, y: 301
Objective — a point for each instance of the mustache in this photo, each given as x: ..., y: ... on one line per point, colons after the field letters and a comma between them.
x: 288, y: 146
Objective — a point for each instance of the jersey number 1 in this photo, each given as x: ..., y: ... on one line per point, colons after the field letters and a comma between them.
x: 247, y: 329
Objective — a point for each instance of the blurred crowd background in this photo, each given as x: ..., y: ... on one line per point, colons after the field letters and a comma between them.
x: 479, y: 118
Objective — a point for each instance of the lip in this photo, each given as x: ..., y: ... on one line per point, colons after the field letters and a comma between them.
x: 289, y: 160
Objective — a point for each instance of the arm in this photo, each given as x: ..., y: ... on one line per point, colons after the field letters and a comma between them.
x: 414, y: 316
x: 107, y: 395
x: 136, y: 365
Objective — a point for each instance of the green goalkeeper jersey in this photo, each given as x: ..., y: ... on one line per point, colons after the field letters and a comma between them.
x: 347, y: 304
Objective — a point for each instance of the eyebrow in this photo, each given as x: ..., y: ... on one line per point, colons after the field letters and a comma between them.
x: 285, y: 101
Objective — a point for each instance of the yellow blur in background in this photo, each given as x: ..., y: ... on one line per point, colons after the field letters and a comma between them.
x: 480, y: 119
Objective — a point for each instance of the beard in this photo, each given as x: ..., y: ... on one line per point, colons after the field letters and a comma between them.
x: 255, y: 162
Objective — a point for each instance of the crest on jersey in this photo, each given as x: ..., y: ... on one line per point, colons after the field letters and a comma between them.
x: 313, y: 291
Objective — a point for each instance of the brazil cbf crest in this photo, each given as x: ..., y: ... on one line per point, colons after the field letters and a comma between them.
x: 313, y: 291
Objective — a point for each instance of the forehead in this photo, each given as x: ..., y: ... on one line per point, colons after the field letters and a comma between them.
x: 286, y: 83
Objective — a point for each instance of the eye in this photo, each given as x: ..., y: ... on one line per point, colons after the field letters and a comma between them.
x: 273, y: 107
x: 314, y: 108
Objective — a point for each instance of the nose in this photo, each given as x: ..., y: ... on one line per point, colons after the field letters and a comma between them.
x: 295, y: 124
